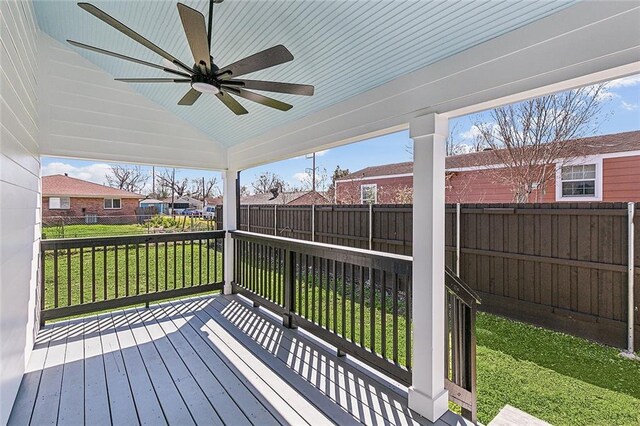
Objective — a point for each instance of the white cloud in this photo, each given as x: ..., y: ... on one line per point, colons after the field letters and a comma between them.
x: 301, y: 177
x: 96, y: 172
x: 472, y: 133
x: 321, y: 153
x: 632, y: 80
x: 629, y: 106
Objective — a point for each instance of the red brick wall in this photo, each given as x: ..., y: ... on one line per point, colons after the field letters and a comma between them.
x: 621, y: 179
x: 91, y: 206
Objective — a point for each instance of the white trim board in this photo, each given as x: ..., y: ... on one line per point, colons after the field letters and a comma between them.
x: 503, y: 68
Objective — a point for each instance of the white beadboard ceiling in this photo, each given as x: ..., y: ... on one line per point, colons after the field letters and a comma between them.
x: 343, y: 48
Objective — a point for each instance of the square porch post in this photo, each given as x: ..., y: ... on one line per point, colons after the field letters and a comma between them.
x: 230, y: 209
x: 427, y: 395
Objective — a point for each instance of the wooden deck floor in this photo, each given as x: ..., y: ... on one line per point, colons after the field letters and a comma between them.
x: 207, y: 360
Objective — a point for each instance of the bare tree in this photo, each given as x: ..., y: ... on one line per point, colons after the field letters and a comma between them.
x: 167, y: 183
x: 529, y: 138
x: 322, y: 180
x: 210, y: 188
x: 266, y: 182
x: 129, y: 178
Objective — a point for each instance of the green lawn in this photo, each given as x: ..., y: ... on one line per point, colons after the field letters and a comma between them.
x: 561, y: 379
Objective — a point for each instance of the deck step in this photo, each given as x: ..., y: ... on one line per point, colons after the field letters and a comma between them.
x: 511, y: 416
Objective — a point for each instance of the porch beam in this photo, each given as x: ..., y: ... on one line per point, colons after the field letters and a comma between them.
x: 428, y: 395
x: 230, y: 210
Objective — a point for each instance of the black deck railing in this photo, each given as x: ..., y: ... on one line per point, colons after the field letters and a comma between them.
x: 359, y: 301
x: 84, y: 275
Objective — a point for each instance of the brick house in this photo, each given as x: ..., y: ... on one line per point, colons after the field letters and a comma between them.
x: 86, y: 202
x: 608, y: 170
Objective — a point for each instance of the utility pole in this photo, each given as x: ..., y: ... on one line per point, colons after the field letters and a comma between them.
x: 153, y: 180
x: 173, y: 193
x: 313, y: 170
x: 204, y: 194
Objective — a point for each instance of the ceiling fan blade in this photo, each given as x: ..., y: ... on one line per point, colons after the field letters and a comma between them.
x: 190, y: 97
x: 231, y: 103
x: 267, y: 58
x: 264, y: 100
x: 126, y: 58
x: 273, y: 86
x: 154, y: 80
x: 196, y: 31
x: 130, y: 33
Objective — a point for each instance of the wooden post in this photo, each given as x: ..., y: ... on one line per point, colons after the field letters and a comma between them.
x: 370, y: 226
x: 313, y: 222
x: 427, y: 395
x: 275, y: 219
x: 630, y: 278
x: 289, y: 291
x: 248, y: 217
x: 458, y: 239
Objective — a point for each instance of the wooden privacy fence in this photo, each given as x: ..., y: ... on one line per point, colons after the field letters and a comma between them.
x: 563, y: 266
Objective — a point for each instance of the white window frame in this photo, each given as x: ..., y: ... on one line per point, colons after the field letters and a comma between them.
x: 375, y: 196
x: 112, y: 208
x: 60, y: 204
x: 597, y: 161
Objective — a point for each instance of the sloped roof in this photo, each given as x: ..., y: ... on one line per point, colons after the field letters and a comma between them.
x: 290, y: 198
x: 61, y: 185
x: 605, y: 144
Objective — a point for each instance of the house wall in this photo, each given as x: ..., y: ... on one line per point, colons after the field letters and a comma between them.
x: 91, y: 206
x: 620, y: 183
x: 19, y: 195
x: 392, y: 190
x: 621, y: 179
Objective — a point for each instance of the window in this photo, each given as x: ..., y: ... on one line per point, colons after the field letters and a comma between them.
x: 369, y: 193
x: 579, y: 181
x: 59, y: 203
x: 91, y: 218
x: 112, y: 203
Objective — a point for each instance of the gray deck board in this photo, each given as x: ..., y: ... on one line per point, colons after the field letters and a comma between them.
x: 252, y: 403
x: 206, y: 360
x: 169, y: 397
x: 145, y: 398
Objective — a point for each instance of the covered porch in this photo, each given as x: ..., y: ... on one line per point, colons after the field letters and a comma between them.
x: 405, y: 324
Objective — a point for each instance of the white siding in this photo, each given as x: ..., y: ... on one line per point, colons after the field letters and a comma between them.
x: 86, y: 114
x: 19, y: 195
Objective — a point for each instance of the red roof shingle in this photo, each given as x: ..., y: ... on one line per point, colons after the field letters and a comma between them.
x: 57, y: 185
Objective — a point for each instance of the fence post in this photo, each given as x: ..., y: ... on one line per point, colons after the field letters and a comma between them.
x: 458, y: 239
x: 248, y: 217
x: 289, y: 292
x: 313, y: 222
x: 275, y: 219
x: 370, y: 226
x: 630, y: 277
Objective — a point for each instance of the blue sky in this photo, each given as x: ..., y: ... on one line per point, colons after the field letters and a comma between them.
x: 621, y: 102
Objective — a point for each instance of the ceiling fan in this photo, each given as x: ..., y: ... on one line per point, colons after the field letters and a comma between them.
x: 205, y: 76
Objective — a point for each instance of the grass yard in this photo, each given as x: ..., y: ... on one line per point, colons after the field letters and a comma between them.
x: 561, y: 379
x: 93, y: 230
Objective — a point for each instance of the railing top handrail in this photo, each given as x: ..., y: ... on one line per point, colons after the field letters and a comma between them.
x: 460, y: 288
x: 304, y: 243
x: 62, y: 243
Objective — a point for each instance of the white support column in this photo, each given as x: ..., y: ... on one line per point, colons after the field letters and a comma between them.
x: 428, y: 395
x: 229, y: 217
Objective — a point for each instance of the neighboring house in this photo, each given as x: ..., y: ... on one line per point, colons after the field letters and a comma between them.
x: 213, y: 201
x: 184, y: 202
x: 608, y: 170
x: 86, y: 201
x: 160, y: 207
x: 286, y: 198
